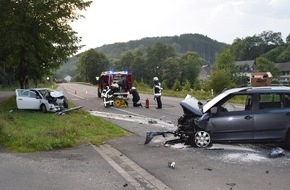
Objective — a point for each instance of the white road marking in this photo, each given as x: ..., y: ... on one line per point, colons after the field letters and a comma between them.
x: 132, y: 113
x: 134, y: 118
x: 109, y: 153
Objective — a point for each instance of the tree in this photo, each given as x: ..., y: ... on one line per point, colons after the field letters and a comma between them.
x: 177, y: 86
x: 125, y: 61
x: 190, y: 67
x: 270, y: 37
x: 255, y: 46
x: 187, y: 86
x: 225, y: 60
x: 288, y: 39
x: 138, y: 67
x: 219, y: 79
x: 264, y: 65
x: 171, y: 71
x: 156, y: 57
x: 91, y: 64
x: 36, y: 36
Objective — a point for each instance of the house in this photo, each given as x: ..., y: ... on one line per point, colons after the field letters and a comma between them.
x: 204, y: 73
x: 68, y: 78
x: 245, y: 67
x: 285, y: 72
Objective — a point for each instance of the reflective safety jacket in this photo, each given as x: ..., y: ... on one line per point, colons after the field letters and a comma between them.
x: 157, y: 89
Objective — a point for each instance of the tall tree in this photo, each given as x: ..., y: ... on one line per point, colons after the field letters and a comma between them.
x: 219, y: 79
x: 190, y: 67
x: 171, y: 71
x: 264, y: 65
x: 225, y: 61
x: 288, y: 39
x: 255, y: 46
x: 156, y: 57
x: 270, y: 37
x: 37, y: 35
x: 138, y: 67
x: 125, y: 61
x: 91, y: 64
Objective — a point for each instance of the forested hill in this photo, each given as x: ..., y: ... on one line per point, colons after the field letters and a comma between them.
x: 203, y: 45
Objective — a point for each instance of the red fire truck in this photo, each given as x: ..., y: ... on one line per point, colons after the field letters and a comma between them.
x: 124, y: 80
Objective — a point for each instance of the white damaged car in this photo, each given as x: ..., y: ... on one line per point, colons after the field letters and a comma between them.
x: 44, y: 99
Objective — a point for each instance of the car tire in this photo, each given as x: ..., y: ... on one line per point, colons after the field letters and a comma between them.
x: 202, y: 139
x: 43, y: 108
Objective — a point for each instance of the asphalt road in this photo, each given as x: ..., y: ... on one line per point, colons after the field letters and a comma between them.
x: 221, y: 167
x: 127, y: 163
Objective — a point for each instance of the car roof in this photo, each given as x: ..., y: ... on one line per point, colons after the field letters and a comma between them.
x: 39, y: 89
x: 269, y: 89
x: 261, y: 89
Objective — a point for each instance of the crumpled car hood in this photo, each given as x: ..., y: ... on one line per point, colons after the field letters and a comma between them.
x: 56, y: 94
x: 192, y: 104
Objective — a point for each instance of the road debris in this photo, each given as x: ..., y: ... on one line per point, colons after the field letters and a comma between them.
x: 68, y: 110
x: 152, y: 121
x: 209, y: 169
x: 276, y: 152
x: 171, y: 165
x: 231, y: 184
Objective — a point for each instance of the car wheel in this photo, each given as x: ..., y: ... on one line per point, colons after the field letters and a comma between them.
x: 43, y: 108
x: 202, y: 139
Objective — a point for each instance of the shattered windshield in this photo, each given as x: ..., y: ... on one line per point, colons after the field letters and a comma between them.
x: 219, y: 97
x: 43, y: 92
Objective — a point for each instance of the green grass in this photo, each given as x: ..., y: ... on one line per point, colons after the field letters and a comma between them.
x: 7, y: 89
x: 200, y: 95
x: 30, y: 131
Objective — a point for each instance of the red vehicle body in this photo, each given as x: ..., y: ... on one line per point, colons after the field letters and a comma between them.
x: 124, y: 80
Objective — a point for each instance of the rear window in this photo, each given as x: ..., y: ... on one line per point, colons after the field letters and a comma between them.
x: 270, y: 100
x: 287, y: 101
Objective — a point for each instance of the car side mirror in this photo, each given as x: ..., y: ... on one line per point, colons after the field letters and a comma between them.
x: 213, y: 110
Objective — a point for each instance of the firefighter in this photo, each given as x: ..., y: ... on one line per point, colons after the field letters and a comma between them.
x: 136, y: 97
x: 157, y: 89
x: 108, y: 94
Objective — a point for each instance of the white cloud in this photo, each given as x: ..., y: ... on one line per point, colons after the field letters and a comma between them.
x: 110, y: 21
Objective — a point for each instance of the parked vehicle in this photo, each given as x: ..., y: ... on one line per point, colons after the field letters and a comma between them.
x: 263, y: 117
x: 44, y: 99
x: 123, y: 79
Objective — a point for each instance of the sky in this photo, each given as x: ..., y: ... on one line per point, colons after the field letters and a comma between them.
x: 112, y: 21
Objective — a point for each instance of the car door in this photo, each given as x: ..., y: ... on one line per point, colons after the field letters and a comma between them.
x: 273, y: 117
x: 27, y: 99
x: 235, y: 124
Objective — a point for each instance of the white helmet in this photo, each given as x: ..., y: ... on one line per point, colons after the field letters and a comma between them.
x: 155, y: 79
x: 133, y: 88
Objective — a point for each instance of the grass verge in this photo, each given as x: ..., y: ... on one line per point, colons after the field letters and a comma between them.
x: 30, y: 131
x: 200, y: 95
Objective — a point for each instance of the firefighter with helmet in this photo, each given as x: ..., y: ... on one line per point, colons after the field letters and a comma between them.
x: 108, y: 94
x: 157, y: 89
x: 136, y: 97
